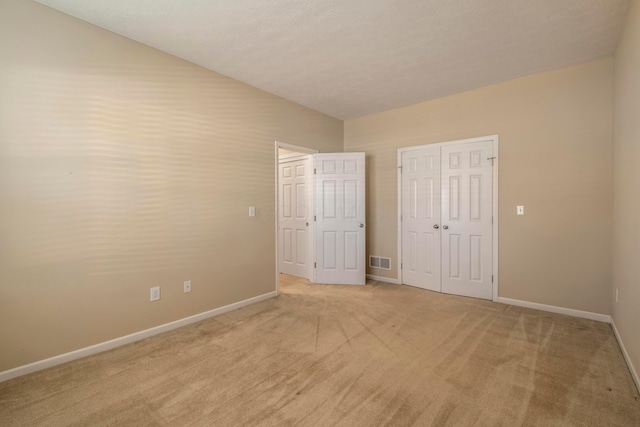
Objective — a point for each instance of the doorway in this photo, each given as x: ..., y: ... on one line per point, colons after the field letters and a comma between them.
x: 320, y: 215
x: 295, y: 244
x: 294, y: 210
x: 447, y: 206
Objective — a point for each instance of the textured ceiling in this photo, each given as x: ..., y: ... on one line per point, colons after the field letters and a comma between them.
x: 356, y: 57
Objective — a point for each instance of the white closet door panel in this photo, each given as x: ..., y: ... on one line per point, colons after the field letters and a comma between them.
x: 467, y: 209
x: 420, y: 214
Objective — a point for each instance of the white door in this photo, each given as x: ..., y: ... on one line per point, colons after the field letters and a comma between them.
x: 467, y: 229
x: 294, y: 240
x: 340, y: 218
x: 447, y: 218
x: 421, y: 218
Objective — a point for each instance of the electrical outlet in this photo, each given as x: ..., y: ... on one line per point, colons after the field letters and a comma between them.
x: 187, y: 286
x: 155, y: 293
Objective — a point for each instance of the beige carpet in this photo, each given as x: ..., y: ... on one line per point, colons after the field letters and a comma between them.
x: 345, y: 355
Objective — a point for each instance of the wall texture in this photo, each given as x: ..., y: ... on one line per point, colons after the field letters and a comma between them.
x: 122, y: 168
x: 626, y: 185
x: 555, y: 159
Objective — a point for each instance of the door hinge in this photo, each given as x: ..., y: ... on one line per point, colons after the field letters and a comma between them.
x: 314, y: 265
x: 401, y: 266
x: 492, y: 278
x: 400, y: 167
x: 314, y: 218
x: 491, y: 220
x: 314, y: 171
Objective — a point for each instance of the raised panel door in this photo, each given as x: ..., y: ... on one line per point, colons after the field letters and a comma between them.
x: 421, y: 218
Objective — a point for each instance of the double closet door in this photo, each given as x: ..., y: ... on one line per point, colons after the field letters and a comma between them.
x: 447, y: 218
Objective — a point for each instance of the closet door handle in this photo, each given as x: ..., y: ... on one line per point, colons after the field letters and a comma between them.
x: 446, y: 227
x: 436, y: 226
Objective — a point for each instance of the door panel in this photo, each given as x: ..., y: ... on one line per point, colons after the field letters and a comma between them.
x: 351, y: 250
x: 467, y: 230
x: 453, y: 256
x: 294, y: 240
x: 340, y: 217
x: 287, y: 244
x: 420, y: 213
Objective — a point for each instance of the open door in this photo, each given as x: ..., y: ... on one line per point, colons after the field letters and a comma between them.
x: 339, y: 184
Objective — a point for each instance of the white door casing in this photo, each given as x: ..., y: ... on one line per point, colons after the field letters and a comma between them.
x: 340, y: 218
x: 467, y: 264
x: 421, y: 218
x: 294, y: 207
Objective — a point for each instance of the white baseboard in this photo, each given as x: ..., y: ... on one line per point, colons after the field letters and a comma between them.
x: 383, y: 279
x: 555, y: 309
x: 117, y: 342
x: 632, y: 369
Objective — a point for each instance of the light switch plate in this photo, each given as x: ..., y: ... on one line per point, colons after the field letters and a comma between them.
x: 520, y: 210
x: 154, y: 294
x: 252, y: 211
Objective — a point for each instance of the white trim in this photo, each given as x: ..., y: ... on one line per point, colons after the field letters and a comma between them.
x: 399, y: 214
x: 632, y: 369
x: 555, y: 309
x: 292, y: 157
x: 299, y: 149
x: 495, y: 140
x: 383, y: 279
x: 127, y: 339
x: 495, y: 254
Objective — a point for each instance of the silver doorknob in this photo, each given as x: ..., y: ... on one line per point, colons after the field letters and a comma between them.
x: 436, y: 226
x: 446, y: 227
x: 361, y: 225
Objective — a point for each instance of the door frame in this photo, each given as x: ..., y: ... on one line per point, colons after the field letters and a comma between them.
x: 494, y: 140
x: 303, y: 151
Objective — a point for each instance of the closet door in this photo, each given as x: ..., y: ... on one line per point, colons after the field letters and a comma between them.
x: 467, y: 229
x: 421, y: 218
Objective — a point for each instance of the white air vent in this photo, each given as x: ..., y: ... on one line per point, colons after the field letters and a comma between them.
x: 379, y: 262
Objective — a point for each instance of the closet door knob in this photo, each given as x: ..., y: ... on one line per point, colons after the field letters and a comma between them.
x: 436, y: 226
x: 446, y: 227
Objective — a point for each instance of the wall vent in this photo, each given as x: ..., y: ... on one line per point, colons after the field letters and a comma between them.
x: 379, y: 262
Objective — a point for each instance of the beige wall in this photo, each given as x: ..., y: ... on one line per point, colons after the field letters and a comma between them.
x: 555, y: 159
x: 122, y: 168
x: 626, y: 185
